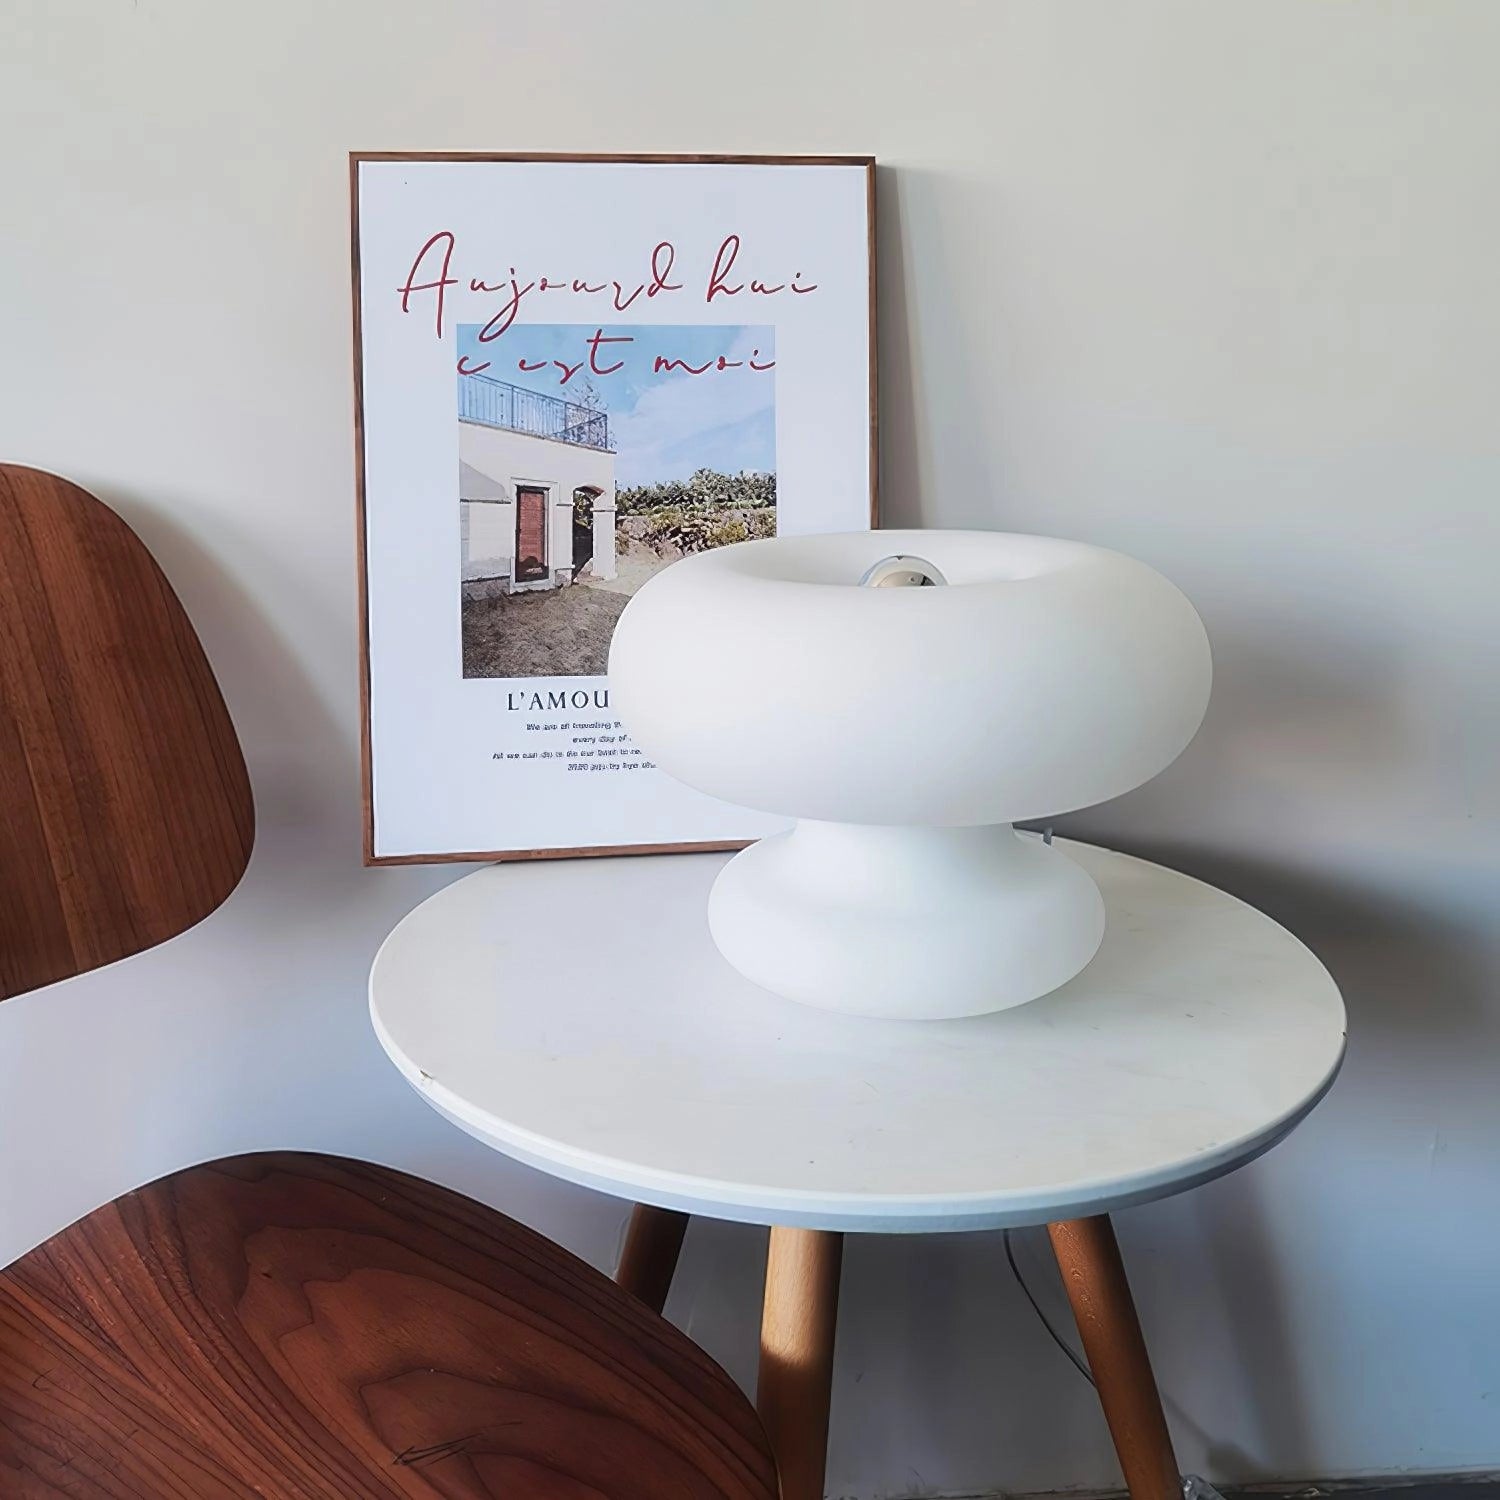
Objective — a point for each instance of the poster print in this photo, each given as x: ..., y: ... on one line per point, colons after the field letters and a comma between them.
x: 571, y: 372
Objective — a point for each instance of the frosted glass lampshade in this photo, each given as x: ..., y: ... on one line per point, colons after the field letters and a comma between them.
x: 907, y: 696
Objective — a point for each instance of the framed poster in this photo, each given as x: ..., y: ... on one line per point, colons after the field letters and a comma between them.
x: 569, y: 372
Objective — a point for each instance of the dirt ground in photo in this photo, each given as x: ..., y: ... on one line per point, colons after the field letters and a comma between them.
x: 562, y: 632
x: 559, y: 633
x: 633, y: 567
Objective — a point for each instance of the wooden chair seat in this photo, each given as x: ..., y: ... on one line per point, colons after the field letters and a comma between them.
x: 302, y: 1327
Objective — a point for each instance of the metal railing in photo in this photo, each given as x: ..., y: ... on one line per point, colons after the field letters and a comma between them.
x: 497, y: 403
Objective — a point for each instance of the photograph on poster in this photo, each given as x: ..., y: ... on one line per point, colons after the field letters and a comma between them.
x: 575, y: 487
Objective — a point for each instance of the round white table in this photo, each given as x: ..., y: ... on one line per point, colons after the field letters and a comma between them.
x: 576, y: 1016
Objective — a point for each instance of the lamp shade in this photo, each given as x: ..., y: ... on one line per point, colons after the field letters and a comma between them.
x: 1046, y: 675
x: 817, y: 677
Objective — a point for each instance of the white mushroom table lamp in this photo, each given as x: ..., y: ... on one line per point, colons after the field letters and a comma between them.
x: 907, y: 696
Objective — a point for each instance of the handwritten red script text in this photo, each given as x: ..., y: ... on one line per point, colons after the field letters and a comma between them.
x: 432, y: 274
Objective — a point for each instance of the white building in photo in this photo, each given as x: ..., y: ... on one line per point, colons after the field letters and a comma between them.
x: 536, y: 489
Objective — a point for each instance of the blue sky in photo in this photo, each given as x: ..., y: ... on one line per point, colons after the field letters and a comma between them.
x: 663, y: 424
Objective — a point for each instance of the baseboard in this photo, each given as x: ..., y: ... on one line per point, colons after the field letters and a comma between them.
x: 1407, y: 1486
x: 1469, y: 1484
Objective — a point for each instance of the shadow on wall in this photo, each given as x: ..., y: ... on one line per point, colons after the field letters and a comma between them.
x: 900, y: 491
x: 304, y: 762
x: 1309, y: 725
x: 1415, y: 987
x: 919, y: 414
x: 1332, y: 1288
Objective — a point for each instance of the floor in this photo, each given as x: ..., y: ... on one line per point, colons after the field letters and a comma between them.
x: 1463, y: 1487
x: 1393, y: 1487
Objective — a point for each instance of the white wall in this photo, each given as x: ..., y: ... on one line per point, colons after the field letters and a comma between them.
x: 1212, y: 283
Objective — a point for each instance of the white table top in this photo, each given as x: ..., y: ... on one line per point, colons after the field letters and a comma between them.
x: 576, y: 1015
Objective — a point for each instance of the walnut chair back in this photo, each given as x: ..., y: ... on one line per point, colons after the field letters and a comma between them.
x: 125, y: 808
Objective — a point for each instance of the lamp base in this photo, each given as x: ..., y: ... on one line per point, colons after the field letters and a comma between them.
x: 910, y: 923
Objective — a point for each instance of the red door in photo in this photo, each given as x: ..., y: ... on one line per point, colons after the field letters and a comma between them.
x: 531, y: 535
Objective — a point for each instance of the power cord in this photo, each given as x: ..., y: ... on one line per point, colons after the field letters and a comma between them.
x: 1194, y: 1487
x: 1074, y: 1358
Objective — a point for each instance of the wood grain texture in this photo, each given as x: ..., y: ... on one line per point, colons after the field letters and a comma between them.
x: 648, y: 1261
x: 796, y: 1353
x: 125, y: 809
x: 1089, y: 1257
x: 306, y: 1328
x: 669, y: 158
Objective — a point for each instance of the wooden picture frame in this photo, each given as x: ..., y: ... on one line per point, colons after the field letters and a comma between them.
x: 368, y: 411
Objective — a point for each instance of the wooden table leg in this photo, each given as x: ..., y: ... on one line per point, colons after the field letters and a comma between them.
x: 1094, y: 1275
x: 652, y: 1244
x: 796, y: 1354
